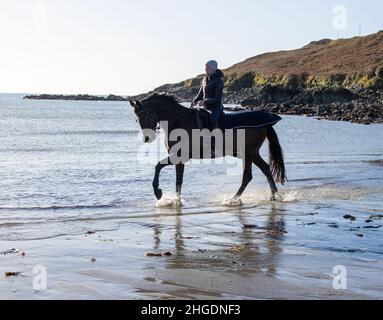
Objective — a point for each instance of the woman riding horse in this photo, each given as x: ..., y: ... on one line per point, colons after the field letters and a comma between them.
x: 180, y: 122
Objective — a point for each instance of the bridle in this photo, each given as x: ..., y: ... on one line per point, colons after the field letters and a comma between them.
x: 151, y: 118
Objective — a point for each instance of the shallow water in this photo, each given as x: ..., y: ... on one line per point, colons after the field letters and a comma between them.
x: 67, y: 167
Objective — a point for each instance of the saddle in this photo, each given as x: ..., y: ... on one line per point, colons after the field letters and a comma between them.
x: 238, y: 120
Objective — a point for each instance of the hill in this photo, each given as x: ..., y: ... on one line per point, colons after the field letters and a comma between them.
x: 343, y: 63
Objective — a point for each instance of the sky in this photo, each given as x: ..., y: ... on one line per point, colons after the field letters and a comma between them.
x: 129, y: 47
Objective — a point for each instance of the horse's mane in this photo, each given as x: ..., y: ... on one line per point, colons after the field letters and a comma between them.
x: 164, y: 97
x: 167, y: 99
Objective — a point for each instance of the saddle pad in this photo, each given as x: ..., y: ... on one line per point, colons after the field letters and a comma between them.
x: 248, y: 119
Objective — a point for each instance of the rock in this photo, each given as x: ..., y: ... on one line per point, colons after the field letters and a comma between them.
x: 11, y: 274
x: 113, y: 97
x: 275, y: 94
x: 153, y: 254
x: 156, y: 254
x: 9, y: 251
x: 379, y: 72
x: 251, y: 103
x: 320, y: 42
x: 250, y: 226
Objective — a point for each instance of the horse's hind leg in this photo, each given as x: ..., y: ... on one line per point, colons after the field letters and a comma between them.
x: 180, y: 168
x: 265, y: 168
x: 247, y: 177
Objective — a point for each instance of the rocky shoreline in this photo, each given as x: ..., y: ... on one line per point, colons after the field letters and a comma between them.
x: 356, y: 104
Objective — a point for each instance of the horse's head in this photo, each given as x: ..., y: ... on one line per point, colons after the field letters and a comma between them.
x: 147, y: 121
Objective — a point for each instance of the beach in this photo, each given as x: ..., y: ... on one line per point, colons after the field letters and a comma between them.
x: 213, y: 257
x: 77, y: 202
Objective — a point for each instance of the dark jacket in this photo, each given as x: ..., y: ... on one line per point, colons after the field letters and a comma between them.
x: 211, y: 91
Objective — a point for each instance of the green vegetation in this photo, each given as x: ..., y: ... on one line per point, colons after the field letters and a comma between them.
x: 235, y: 82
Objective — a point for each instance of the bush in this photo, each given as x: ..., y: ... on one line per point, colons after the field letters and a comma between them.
x: 379, y: 72
x: 293, y: 82
x: 242, y: 82
x: 338, y: 79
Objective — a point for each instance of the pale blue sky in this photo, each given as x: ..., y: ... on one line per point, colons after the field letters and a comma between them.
x: 129, y: 47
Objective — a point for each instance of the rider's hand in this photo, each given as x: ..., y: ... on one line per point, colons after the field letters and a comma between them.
x: 201, y: 103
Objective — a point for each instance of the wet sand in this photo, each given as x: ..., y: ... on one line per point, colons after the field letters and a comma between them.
x: 221, y: 253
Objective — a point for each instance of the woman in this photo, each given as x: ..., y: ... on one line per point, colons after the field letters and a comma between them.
x: 210, y: 94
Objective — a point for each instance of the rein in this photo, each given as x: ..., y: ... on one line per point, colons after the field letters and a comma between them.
x: 149, y: 115
x: 151, y: 118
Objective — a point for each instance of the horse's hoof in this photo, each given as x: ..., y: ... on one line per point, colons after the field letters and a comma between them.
x: 178, y: 203
x: 158, y: 194
x: 235, y: 202
x: 275, y: 196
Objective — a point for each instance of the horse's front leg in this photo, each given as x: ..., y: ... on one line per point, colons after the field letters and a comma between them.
x: 247, y: 177
x: 156, y: 181
x: 180, y: 168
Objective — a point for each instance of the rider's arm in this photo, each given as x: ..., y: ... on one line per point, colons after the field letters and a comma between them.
x: 199, y: 96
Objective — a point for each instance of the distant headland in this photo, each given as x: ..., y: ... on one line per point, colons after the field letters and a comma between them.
x: 78, y: 97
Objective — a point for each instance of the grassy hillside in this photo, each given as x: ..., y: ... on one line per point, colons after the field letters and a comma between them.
x: 324, y: 63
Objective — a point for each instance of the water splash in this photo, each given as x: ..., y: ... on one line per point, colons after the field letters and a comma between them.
x: 232, y: 203
x: 301, y: 194
x: 168, y: 202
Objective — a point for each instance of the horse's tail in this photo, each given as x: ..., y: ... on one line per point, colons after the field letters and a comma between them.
x: 277, y: 164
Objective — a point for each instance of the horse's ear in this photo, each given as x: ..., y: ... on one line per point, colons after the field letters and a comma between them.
x: 132, y: 103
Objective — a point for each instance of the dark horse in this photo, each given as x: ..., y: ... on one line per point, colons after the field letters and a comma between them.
x: 163, y: 108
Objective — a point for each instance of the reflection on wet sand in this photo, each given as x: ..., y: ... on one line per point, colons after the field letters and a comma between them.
x: 251, y: 248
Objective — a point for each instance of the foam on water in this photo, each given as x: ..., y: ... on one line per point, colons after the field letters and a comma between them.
x: 300, y: 194
x: 169, y: 202
x: 232, y: 203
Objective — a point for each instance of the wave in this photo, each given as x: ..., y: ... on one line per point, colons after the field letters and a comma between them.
x: 88, y: 132
x: 331, y: 162
x: 54, y: 208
